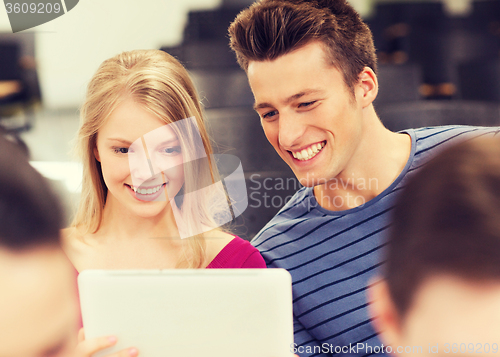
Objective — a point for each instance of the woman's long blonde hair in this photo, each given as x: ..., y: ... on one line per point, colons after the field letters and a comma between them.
x: 159, y: 83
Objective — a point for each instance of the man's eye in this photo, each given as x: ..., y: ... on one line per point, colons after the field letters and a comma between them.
x: 307, y: 104
x: 269, y: 114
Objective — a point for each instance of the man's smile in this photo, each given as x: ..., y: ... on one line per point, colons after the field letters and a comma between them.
x: 309, y: 152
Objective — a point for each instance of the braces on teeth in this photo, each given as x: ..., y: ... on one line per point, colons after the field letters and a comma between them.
x: 308, y: 153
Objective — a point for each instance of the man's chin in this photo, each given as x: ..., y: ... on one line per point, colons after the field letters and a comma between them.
x: 311, y: 181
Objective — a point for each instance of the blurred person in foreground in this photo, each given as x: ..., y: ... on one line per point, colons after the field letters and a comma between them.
x: 440, y: 291
x: 38, y: 305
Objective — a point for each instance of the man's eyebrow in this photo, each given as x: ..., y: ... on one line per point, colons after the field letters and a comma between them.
x: 290, y: 99
x: 261, y: 106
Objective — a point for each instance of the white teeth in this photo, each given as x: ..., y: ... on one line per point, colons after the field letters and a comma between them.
x: 146, y: 191
x: 308, y: 153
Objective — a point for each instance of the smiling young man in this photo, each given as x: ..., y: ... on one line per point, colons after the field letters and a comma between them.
x: 312, y: 68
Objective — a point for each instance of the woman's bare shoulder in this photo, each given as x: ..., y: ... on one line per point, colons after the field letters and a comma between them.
x: 77, y: 245
x: 216, y: 241
x: 74, y: 240
x: 219, y: 235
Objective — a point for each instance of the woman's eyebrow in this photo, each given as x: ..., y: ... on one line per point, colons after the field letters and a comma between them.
x: 148, y: 142
x: 120, y: 140
x: 157, y: 143
x: 169, y: 141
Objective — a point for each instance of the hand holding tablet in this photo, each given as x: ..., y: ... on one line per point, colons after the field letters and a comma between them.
x: 87, y: 348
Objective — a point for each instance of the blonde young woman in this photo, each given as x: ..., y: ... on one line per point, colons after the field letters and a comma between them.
x: 151, y: 194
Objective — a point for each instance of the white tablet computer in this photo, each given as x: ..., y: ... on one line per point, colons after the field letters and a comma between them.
x: 190, y: 313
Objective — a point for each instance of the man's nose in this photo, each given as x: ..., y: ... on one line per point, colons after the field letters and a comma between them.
x: 291, y: 129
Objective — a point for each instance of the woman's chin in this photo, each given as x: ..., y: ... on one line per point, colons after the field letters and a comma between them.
x: 152, y: 210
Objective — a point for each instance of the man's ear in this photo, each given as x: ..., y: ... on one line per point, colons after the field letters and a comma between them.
x: 96, y: 154
x: 383, y: 312
x: 367, y: 87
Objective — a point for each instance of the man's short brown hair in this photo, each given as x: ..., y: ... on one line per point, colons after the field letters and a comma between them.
x: 272, y: 28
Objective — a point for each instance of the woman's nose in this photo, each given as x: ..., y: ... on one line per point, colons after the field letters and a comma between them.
x: 141, y: 168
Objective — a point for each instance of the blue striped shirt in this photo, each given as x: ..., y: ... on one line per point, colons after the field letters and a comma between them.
x: 331, y: 255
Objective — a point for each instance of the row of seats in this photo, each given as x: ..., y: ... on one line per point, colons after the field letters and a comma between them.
x: 422, y: 32
x: 479, y: 81
x: 416, y: 114
x: 19, y: 89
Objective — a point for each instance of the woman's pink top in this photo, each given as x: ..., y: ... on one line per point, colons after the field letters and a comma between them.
x: 238, y: 253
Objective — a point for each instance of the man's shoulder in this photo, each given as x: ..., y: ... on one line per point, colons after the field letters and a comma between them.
x: 429, y: 141
x: 430, y: 138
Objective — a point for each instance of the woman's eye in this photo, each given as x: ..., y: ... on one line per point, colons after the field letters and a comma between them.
x: 174, y: 150
x: 121, y: 150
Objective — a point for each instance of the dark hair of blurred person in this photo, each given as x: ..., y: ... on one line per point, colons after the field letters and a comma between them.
x: 30, y: 214
x: 38, y: 311
x: 441, y: 283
